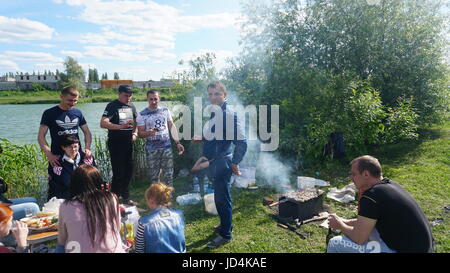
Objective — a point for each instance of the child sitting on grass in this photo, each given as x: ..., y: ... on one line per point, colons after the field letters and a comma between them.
x: 162, y: 231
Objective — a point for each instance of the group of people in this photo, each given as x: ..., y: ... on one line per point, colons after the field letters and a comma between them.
x: 389, y: 219
x: 73, y: 175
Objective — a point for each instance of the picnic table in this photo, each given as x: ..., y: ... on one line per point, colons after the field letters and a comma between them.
x: 42, y: 237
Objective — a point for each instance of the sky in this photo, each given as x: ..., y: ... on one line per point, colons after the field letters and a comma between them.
x: 141, y: 40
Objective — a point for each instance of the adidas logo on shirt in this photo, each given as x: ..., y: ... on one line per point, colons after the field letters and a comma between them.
x: 67, y: 123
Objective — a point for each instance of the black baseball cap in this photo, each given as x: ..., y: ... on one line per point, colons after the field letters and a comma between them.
x: 125, y: 89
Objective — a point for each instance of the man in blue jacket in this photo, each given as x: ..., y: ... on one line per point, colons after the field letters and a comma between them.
x: 225, y: 130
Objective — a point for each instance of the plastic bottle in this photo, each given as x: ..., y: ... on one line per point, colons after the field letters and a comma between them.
x: 208, y: 187
x: 188, y: 199
x: 196, y: 184
x: 205, y: 184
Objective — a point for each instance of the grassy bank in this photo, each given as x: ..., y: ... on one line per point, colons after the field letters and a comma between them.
x: 422, y: 167
x: 102, y: 95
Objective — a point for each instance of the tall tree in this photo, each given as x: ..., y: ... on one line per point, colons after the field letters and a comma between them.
x: 74, y: 75
x: 96, y: 75
x: 90, y: 75
x: 116, y: 75
x: 399, y: 45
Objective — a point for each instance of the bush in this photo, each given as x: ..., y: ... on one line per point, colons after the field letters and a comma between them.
x: 38, y: 87
x: 24, y: 168
x: 401, y: 123
x: 341, y: 104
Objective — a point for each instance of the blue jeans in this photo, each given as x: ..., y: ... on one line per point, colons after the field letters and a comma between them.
x: 19, y: 205
x: 343, y: 244
x: 221, y: 171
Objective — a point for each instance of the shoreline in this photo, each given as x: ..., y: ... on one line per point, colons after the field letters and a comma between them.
x: 49, y: 97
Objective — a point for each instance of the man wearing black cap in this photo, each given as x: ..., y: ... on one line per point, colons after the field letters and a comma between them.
x: 119, y: 118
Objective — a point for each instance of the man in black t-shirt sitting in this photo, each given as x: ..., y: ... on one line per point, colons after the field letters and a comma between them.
x: 120, y: 120
x: 389, y: 219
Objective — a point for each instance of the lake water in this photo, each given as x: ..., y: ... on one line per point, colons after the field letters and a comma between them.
x: 20, y: 123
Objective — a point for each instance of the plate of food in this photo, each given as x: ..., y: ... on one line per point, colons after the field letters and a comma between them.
x: 40, y: 224
x: 46, y: 214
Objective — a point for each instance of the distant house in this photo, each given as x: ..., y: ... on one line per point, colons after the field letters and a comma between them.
x: 7, y: 79
x: 7, y: 83
x: 163, y: 83
x: 93, y: 85
x: 25, y: 82
x: 141, y: 84
x: 115, y: 83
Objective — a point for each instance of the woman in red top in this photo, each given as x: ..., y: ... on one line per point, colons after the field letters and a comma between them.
x: 20, y: 231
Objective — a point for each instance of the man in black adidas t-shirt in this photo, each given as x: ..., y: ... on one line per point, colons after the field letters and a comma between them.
x: 62, y: 119
x: 389, y: 219
x: 120, y: 120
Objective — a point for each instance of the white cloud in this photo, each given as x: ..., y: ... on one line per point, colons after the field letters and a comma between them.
x: 127, y: 53
x: 32, y: 57
x: 74, y: 2
x: 9, y: 66
x: 74, y: 54
x: 217, y: 21
x: 94, y: 38
x: 20, y: 29
x: 86, y: 66
x: 132, y: 72
x: 220, y: 61
x: 156, y: 40
x: 49, y: 66
x: 47, y: 45
x: 149, y: 28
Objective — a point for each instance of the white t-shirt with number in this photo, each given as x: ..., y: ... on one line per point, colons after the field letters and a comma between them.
x: 158, y: 119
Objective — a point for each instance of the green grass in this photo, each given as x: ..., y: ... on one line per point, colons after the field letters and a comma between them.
x: 31, y: 97
x: 107, y: 95
x: 422, y: 167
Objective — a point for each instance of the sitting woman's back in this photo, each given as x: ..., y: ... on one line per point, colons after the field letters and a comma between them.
x: 89, y: 221
x: 162, y: 231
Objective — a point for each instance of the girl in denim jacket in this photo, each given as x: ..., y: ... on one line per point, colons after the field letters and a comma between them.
x: 162, y: 231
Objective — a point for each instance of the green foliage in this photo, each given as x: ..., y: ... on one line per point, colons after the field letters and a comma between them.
x: 373, y: 72
x: 200, y: 68
x: 340, y: 104
x: 37, y: 87
x: 401, y: 45
x: 401, y: 123
x: 178, y: 92
x: 24, y: 168
x: 74, y: 75
x: 93, y: 75
x: 102, y: 158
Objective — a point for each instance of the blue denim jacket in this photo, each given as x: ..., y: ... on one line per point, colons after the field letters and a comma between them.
x: 216, y: 149
x: 164, y: 231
